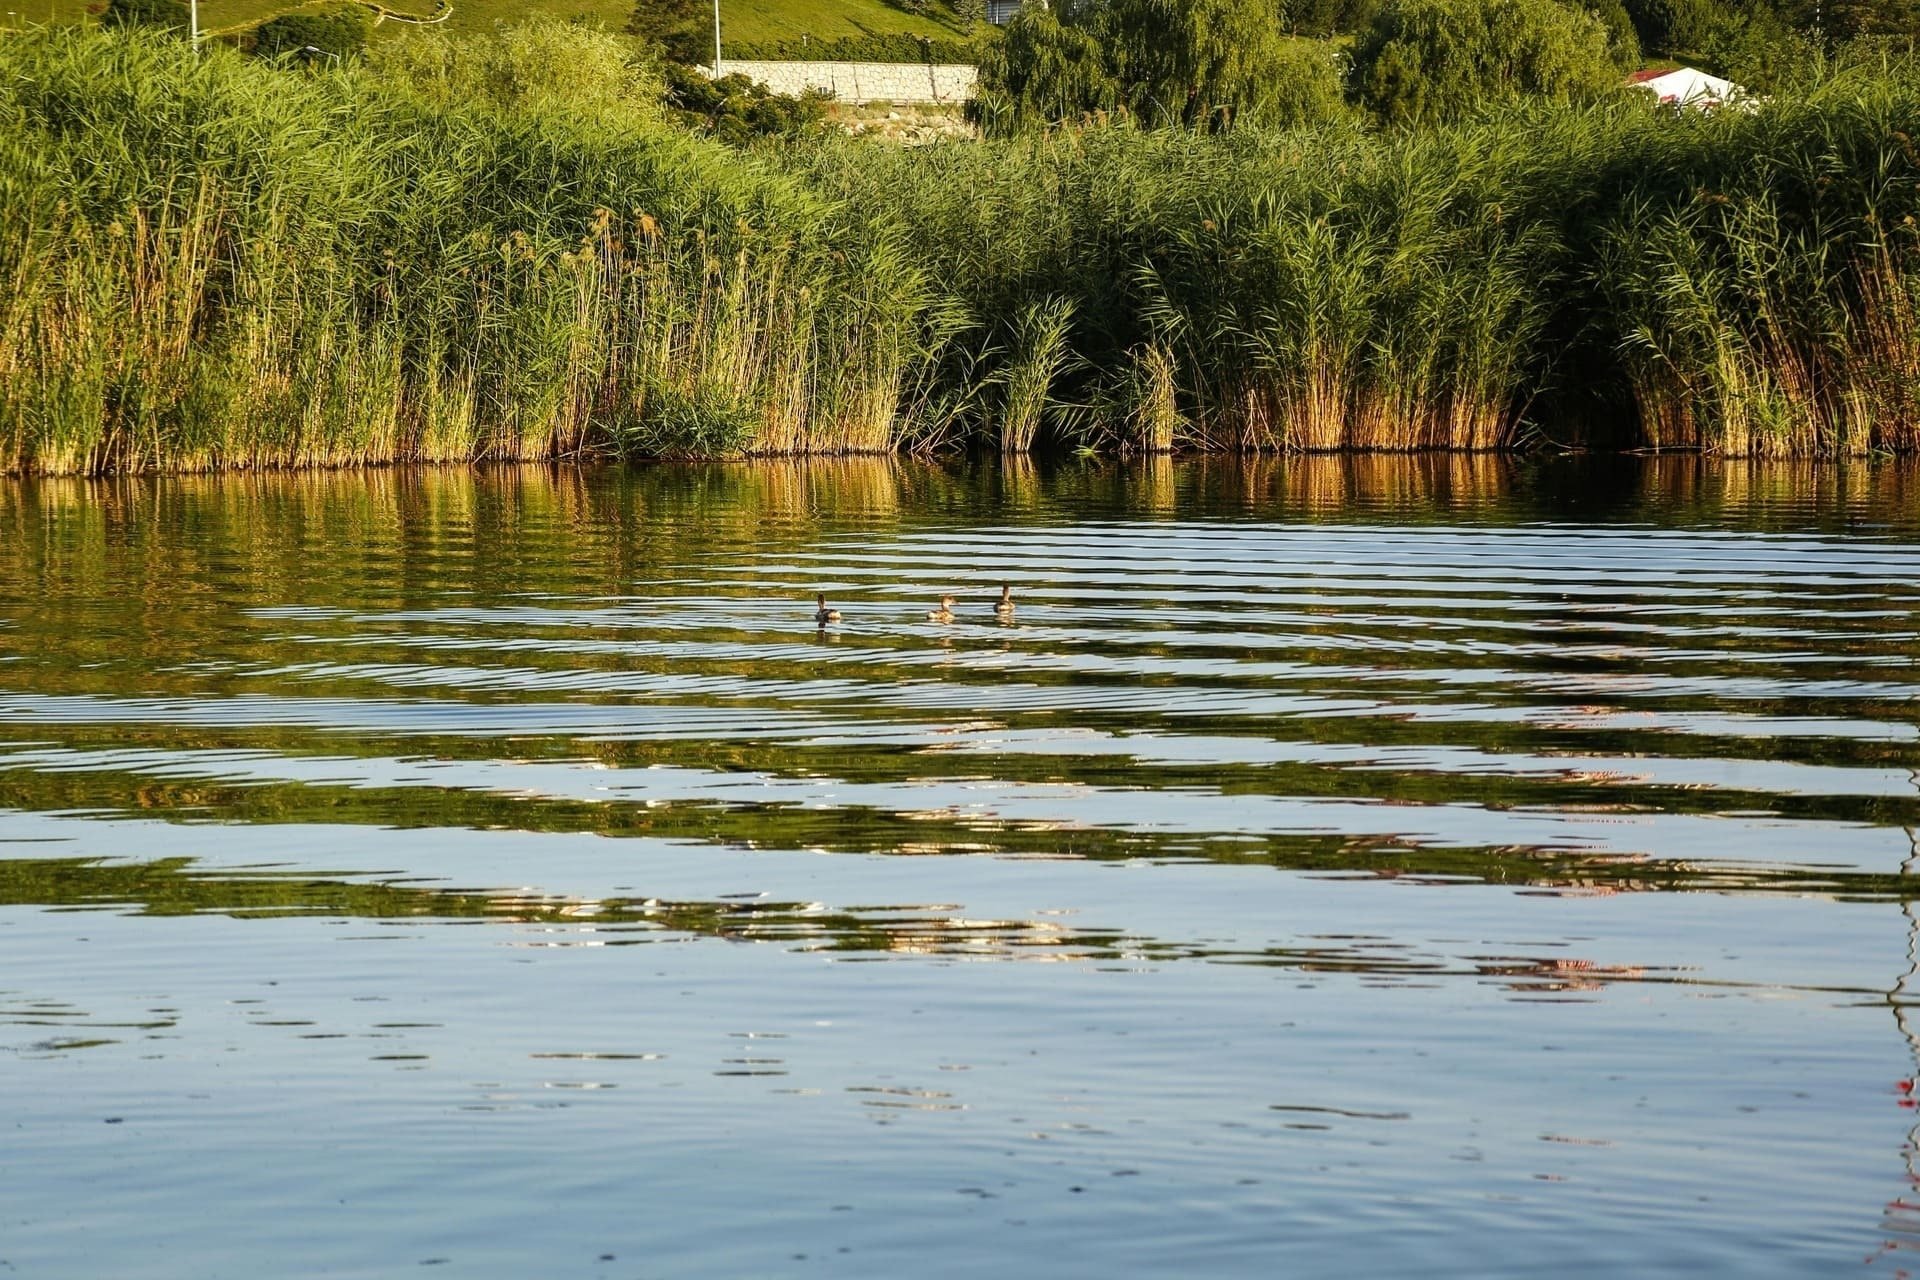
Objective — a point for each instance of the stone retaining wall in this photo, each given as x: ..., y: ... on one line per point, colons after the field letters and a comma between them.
x: 862, y: 81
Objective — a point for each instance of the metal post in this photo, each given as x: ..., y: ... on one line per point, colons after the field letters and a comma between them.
x: 193, y: 24
x: 716, y: 39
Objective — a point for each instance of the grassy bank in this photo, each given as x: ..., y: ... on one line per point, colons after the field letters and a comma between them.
x: 496, y: 248
x: 1739, y: 283
x: 215, y: 264
x: 750, y: 24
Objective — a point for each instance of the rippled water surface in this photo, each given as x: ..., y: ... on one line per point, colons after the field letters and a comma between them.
x: 1450, y: 867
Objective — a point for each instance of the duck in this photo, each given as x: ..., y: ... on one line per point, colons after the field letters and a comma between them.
x: 825, y: 615
x: 1004, y: 609
x: 944, y: 613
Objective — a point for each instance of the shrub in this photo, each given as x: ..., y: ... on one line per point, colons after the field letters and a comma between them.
x: 1673, y: 26
x: 1194, y: 62
x: 341, y: 32
x: 165, y: 15
x: 1043, y: 72
x: 681, y: 30
x: 897, y: 47
x: 734, y: 109
x: 1322, y: 18
x: 1759, y: 51
x: 542, y: 64
x: 1429, y: 61
x: 1205, y: 64
x: 1306, y: 85
x: 1622, y: 38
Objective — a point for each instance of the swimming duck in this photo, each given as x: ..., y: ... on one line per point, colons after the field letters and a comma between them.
x: 1004, y: 609
x: 944, y: 613
x: 825, y: 615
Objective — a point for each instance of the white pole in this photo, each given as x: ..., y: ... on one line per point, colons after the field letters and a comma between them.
x: 716, y: 39
x: 193, y: 24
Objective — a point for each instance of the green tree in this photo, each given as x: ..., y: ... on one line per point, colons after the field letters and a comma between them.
x: 341, y: 32
x: 736, y: 110
x: 1673, y: 26
x: 1834, y: 22
x: 1426, y: 61
x: 1043, y: 72
x: 541, y: 66
x: 1318, y: 19
x: 1200, y: 64
x: 1761, y: 51
x: 679, y: 28
x: 168, y: 15
x: 1622, y: 39
x: 1311, y: 17
x: 1194, y: 62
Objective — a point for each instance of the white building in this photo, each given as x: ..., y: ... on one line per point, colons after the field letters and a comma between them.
x: 1687, y: 87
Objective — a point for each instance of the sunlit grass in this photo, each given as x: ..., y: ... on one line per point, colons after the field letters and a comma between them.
x: 500, y: 248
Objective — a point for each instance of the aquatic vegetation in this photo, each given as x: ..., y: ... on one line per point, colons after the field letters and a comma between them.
x: 1740, y: 283
x: 215, y: 265
x: 475, y: 249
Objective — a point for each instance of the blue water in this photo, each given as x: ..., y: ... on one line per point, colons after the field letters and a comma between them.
x: 1392, y: 866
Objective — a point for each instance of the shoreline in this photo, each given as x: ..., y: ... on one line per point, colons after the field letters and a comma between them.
x: 339, y: 267
x: 963, y: 460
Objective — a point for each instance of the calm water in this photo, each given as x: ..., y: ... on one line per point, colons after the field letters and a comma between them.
x: 1440, y: 867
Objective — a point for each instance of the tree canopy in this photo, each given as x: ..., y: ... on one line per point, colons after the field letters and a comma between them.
x: 168, y: 15
x: 1429, y: 61
x: 1204, y: 64
x: 679, y: 28
x: 339, y: 31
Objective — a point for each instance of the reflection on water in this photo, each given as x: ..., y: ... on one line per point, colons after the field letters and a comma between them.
x: 1557, y: 813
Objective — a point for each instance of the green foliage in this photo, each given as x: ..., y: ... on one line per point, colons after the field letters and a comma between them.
x: 341, y: 31
x: 1623, y: 39
x: 1305, y: 85
x: 1321, y: 18
x: 1827, y: 25
x: 1338, y: 289
x: 1844, y: 20
x: 543, y: 66
x: 1043, y: 72
x: 894, y: 47
x: 704, y: 422
x: 1429, y: 61
x: 734, y: 109
x: 214, y: 264
x: 1039, y: 346
x: 471, y: 249
x: 1673, y: 26
x: 1760, y: 51
x: 164, y: 15
x: 681, y: 30
x: 1196, y: 64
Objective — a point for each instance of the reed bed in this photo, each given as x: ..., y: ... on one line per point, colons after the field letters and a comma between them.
x: 1742, y: 283
x: 214, y: 264
x: 465, y: 250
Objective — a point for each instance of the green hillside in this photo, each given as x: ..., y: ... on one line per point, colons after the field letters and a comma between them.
x: 742, y: 21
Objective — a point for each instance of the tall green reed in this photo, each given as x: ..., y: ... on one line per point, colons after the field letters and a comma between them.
x: 217, y: 264
x: 497, y: 248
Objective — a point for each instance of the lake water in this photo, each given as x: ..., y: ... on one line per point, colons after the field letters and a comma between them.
x: 1444, y: 866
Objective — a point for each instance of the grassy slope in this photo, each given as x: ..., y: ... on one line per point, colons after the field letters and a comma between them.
x: 741, y: 20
